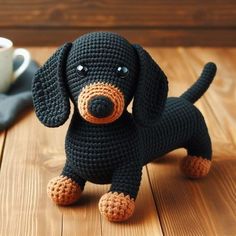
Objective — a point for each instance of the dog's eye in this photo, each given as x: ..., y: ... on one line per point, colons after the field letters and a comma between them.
x: 82, y: 70
x: 122, y: 71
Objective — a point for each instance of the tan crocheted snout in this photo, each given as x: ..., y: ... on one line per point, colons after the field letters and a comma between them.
x: 105, y: 90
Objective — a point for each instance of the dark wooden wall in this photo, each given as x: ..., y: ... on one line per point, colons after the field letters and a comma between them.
x: 149, y: 22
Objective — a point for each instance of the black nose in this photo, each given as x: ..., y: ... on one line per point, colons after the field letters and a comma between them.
x: 100, y: 106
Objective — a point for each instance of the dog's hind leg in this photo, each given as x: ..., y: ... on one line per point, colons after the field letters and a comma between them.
x: 66, y: 189
x: 198, y: 161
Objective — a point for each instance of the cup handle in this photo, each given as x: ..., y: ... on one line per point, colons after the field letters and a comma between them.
x: 26, y: 55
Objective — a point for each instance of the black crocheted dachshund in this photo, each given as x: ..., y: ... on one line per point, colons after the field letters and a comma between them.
x: 101, y: 72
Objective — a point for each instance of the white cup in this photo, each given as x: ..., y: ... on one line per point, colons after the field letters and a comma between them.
x: 7, y: 55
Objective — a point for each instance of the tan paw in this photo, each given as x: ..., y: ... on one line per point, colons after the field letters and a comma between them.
x: 116, y: 207
x: 63, y: 190
x: 195, y: 167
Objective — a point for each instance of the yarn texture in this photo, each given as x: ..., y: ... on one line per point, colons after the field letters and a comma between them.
x: 101, y: 73
x: 116, y: 207
x: 63, y: 190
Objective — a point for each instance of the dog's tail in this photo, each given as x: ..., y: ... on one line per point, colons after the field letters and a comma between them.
x: 202, y: 84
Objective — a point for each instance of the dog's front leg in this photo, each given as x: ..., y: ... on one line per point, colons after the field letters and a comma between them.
x: 66, y: 189
x: 118, y: 204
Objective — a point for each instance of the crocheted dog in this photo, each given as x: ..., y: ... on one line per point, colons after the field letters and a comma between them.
x: 100, y: 73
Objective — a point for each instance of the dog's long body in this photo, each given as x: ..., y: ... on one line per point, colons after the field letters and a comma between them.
x: 98, y: 151
x: 98, y: 156
x: 101, y: 72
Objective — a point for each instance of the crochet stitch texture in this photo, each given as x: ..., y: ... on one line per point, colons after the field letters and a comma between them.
x: 100, y: 73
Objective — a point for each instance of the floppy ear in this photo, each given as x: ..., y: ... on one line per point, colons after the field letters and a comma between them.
x: 151, y: 92
x: 50, y: 97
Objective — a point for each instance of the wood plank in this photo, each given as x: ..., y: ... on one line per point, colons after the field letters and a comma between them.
x: 24, y: 174
x: 30, y: 159
x: 2, y: 139
x: 41, y: 54
x: 207, y: 206
x: 84, y: 218
x: 202, y: 207
x: 164, y: 23
x: 153, y: 37
x: 97, y: 13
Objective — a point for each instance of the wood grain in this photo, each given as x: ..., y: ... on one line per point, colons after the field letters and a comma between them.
x: 117, y: 13
x: 84, y: 218
x: 32, y: 155
x: 28, y: 162
x: 151, y: 22
x: 2, y: 139
x: 147, y: 37
x: 186, y: 207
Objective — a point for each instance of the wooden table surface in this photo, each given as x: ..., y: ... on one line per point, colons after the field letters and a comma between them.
x: 167, y: 204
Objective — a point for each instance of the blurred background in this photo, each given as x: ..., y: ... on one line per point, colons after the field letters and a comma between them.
x: 149, y: 22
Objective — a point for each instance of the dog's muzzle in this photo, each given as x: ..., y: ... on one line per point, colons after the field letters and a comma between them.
x: 100, y: 103
x: 100, y: 106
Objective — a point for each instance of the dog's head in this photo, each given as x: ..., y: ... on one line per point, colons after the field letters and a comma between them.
x: 101, y: 72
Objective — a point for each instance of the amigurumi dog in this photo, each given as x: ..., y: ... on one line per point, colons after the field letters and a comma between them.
x: 100, y: 73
